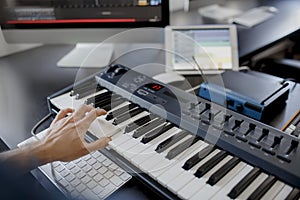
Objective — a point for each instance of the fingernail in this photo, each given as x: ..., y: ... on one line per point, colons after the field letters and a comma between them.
x: 101, y: 110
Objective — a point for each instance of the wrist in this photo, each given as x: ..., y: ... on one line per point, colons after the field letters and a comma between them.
x: 40, y: 154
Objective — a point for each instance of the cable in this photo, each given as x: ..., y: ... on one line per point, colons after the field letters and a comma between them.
x: 37, y: 125
x: 33, y: 132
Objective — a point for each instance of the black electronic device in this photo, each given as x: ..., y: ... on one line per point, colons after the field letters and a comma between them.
x: 151, y: 110
x: 247, y: 94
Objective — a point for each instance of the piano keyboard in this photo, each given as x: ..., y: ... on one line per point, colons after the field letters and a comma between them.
x: 174, y: 154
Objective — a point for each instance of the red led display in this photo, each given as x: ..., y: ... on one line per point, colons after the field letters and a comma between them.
x: 156, y: 87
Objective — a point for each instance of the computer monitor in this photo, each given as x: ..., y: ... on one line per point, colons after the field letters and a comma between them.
x: 78, y: 21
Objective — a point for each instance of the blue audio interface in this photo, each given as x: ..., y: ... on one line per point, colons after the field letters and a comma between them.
x: 247, y: 94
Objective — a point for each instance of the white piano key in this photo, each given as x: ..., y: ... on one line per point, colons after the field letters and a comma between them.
x: 135, y: 150
x: 245, y: 194
x: 208, y: 191
x: 67, y: 101
x: 187, y: 176
x: 118, y: 140
x: 190, y: 189
x: 119, y: 137
x: 150, y: 151
x: 222, y: 194
x: 128, y: 145
x: 273, y: 191
x: 284, y: 192
x: 103, y: 128
x: 166, y: 165
x: 177, y: 169
x: 150, y: 164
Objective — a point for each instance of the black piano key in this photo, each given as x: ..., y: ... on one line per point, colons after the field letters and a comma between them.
x: 145, y: 129
x: 87, y: 85
x: 113, y: 104
x: 103, y: 102
x: 105, y: 97
x: 198, y: 157
x: 98, y: 97
x: 87, y: 91
x: 170, y: 141
x: 210, y: 164
x: 262, y: 188
x: 181, y: 147
x: 220, y: 173
x: 244, y: 183
x: 156, y: 132
x: 293, y: 195
x: 107, y: 101
x: 138, y: 123
x: 120, y: 111
x: 127, y: 115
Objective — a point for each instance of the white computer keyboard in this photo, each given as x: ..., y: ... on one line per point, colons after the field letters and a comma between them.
x: 93, y: 176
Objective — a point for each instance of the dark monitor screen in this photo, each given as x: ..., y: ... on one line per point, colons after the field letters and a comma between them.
x: 31, y: 14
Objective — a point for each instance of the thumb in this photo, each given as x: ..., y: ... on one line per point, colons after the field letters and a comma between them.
x: 98, y: 144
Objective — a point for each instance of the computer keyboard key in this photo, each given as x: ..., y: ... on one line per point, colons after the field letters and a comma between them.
x: 59, y: 168
x: 98, y: 177
x: 80, y: 187
x: 70, y: 177
x: 75, y: 182
x: 118, y: 172
x: 97, y: 165
x: 98, y: 189
x: 69, y: 188
x: 108, y: 189
x: 116, y: 180
x: 113, y: 167
x: 106, y: 163
x: 87, y: 168
x: 92, y: 173
x: 81, y: 164
x: 75, y: 170
x: 92, y: 184
x: 63, y: 182
x: 80, y: 174
x: 102, y: 170
x: 108, y: 174
x: 64, y: 173
x: 89, y: 195
x: 125, y: 176
x: 70, y: 165
x: 86, y: 179
x: 91, y: 161
x: 104, y: 182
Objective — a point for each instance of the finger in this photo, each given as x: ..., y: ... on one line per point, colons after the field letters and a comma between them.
x: 80, y: 113
x: 90, y: 117
x: 98, y: 144
x: 62, y: 114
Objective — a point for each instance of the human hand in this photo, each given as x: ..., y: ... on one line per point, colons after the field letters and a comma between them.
x: 64, y: 140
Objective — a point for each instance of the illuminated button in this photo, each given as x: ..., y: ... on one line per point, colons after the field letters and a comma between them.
x: 142, y: 92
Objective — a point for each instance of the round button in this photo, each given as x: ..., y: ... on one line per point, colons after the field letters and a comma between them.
x: 239, y: 107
